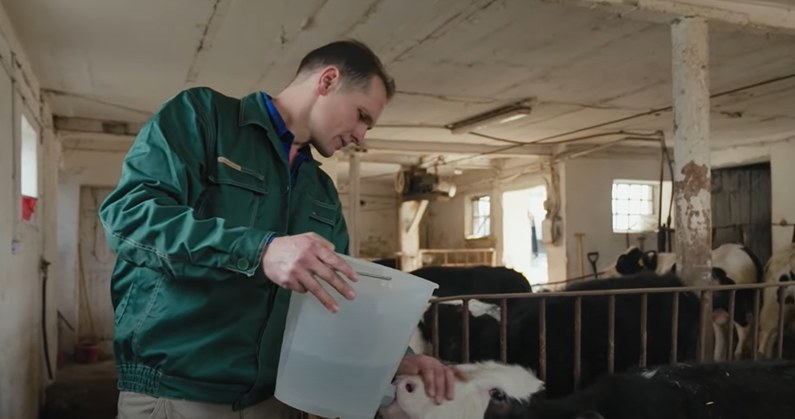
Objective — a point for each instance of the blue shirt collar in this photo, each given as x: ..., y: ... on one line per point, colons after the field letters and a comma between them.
x: 277, y: 120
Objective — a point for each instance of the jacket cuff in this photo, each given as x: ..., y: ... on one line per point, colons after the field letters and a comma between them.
x: 246, y: 254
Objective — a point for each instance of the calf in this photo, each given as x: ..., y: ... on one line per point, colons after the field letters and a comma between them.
x: 489, y: 388
x: 483, y: 332
x: 634, y: 260
x: 734, y: 264
x: 523, y: 342
x: 779, y: 269
x: 739, y: 390
x: 731, y: 264
x: 523, y: 330
x: 453, y: 280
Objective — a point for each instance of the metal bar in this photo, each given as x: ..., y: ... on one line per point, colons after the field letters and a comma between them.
x: 675, y: 328
x: 644, y: 318
x: 611, y: 334
x: 730, y: 345
x: 577, y: 341
x: 701, y: 328
x: 465, y: 331
x: 435, y: 330
x: 780, y: 339
x: 542, y: 339
x: 756, y: 325
x: 626, y: 291
x: 503, y: 330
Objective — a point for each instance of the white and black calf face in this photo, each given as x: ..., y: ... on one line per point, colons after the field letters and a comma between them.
x: 788, y: 292
x: 490, y: 390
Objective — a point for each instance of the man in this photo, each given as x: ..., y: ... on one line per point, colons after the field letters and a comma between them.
x: 220, y: 213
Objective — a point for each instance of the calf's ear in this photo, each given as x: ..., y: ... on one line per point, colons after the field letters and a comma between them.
x: 589, y: 415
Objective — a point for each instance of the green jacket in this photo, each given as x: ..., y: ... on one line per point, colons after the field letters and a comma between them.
x: 204, y: 186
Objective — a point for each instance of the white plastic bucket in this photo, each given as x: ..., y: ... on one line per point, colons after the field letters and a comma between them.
x: 341, y: 365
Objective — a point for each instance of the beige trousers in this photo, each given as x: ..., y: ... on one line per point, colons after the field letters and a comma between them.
x: 142, y: 406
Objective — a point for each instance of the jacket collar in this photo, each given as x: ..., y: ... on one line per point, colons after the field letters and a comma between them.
x: 254, y: 111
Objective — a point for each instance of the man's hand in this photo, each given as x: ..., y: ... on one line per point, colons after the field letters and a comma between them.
x: 439, y: 379
x: 299, y: 262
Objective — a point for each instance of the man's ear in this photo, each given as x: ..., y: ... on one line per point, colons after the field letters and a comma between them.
x: 589, y: 415
x: 329, y: 80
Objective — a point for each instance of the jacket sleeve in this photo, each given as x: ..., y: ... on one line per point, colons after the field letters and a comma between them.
x: 147, y: 218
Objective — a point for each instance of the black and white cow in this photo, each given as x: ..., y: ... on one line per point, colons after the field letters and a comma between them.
x: 731, y: 264
x: 456, y: 280
x: 523, y: 343
x: 523, y: 330
x: 780, y: 269
x: 734, y: 264
x: 734, y: 390
x: 483, y: 331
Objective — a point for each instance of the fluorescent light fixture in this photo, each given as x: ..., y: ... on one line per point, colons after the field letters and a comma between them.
x: 501, y: 115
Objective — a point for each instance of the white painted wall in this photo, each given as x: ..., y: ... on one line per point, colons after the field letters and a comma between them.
x: 23, y: 374
x: 589, y: 183
x: 586, y: 186
x: 378, y: 218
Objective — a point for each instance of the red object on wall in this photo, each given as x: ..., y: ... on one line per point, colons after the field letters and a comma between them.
x: 28, y: 207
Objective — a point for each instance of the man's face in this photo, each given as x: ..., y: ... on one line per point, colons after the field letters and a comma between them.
x: 342, y: 113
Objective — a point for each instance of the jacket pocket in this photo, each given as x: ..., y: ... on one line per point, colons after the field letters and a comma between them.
x: 233, y: 193
x: 322, y: 217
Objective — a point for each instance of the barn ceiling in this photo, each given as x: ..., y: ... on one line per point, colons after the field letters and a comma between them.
x: 584, y: 71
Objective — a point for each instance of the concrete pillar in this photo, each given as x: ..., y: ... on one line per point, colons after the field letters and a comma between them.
x: 354, y: 194
x: 411, y: 213
x: 692, y: 185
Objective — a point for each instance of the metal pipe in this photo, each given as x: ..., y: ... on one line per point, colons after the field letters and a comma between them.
x: 756, y: 325
x: 503, y: 330
x: 577, y: 341
x: 730, y: 345
x: 675, y: 328
x: 435, y: 331
x: 780, y: 337
x: 644, y: 317
x: 465, y: 331
x: 542, y: 339
x: 623, y: 291
x: 611, y: 334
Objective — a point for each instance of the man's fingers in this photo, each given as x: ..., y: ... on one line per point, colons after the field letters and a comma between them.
x: 312, y: 285
x: 335, y: 262
x: 440, y: 383
x: 321, y: 240
x: 429, y: 381
x: 450, y: 374
x: 327, y: 274
x: 459, y: 374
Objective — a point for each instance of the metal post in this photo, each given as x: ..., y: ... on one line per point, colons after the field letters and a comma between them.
x: 354, y: 193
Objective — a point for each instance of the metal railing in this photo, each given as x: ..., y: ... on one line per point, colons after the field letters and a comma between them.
x: 458, y: 257
x: 704, y: 294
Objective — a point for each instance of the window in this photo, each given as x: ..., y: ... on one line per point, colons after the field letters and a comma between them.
x: 481, y: 216
x: 633, y: 207
x: 29, y: 176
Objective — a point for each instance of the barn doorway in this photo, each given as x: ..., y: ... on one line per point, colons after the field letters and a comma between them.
x: 523, y: 249
x: 741, y: 208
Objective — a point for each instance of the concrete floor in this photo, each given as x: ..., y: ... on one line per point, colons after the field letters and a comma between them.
x: 82, y: 392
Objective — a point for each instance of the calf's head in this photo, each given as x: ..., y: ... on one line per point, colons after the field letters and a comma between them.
x: 491, y: 390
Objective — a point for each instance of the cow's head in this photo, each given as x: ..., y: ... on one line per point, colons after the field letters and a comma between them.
x: 788, y: 292
x: 491, y: 390
x: 634, y: 260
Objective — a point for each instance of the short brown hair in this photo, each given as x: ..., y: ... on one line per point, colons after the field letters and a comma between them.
x: 356, y: 61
